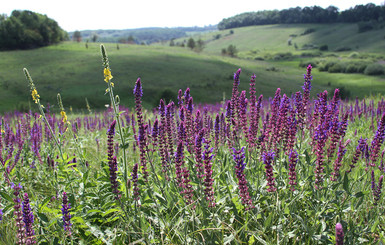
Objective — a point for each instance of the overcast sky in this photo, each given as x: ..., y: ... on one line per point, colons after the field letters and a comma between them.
x: 126, y: 14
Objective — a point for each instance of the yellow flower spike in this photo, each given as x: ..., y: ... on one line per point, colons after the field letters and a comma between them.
x: 63, y: 116
x: 35, y: 95
x: 107, y: 75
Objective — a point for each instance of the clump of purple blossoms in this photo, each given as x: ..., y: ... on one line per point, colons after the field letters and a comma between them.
x: 66, y: 206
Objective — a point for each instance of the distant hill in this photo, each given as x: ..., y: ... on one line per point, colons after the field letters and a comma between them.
x: 307, y: 15
x: 142, y: 35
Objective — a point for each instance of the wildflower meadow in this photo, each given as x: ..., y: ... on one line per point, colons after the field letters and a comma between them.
x: 291, y: 169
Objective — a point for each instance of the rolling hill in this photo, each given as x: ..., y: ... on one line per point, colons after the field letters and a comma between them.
x: 76, y: 71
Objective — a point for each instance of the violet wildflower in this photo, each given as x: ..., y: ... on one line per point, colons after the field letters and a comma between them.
x: 18, y: 213
x: 377, y: 141
x: 242, y: 113
x: 142, y: 139
x: 293, y: 159
x: 66, y: 206
x: 234, y: 94
x: 306, y: 93
x: 143, y: 149
x: 339, y: 234
x: 113, y: 166
x: 189, y: 125
x: 170, y: 122
x: 377, y: 189
x: 155, y: 133
x: 217, y: 127
x: 240, y: 164
x: 338, y: 161
x: 134, y: 176
x: 253, y: 111
x: 268, y: 158
x: 110, y: 140
x: 28, y: 221
x: 180, y: 98
x: 208, y: 180
x: 198, y: 154
x: 179, y: 158
x: 162, y: 137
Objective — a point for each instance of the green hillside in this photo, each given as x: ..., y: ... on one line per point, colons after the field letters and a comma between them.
x: 76, y: 72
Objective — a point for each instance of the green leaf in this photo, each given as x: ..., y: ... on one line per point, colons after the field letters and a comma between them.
x: 345, y: 185
x: 374, y: 226
x: 251, y: 240
x: 6, y: 196
x: 268, y: 221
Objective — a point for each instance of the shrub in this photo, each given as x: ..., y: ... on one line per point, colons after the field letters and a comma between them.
x: 324, y: 47
x: 283, y: 56
x: 374, y: 69
x: 341, y: 49
x: 305, y: 63
x: 354, y: 55
x: 326, y: 66
x: 308, y: 31
x: 338, y: 67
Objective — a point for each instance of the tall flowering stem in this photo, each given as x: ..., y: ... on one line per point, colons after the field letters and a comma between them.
x: 208, y: 180
x: 240, y: 165
x: 234, y: 94
x: 134, y: 176
x: 18, y: 213
x: 338, y: 161
x: 268, y: 158
x: 293, y: 159
x: 359, y: 150
x: 377, y: 141
x: 377, y: 189
x: 66, y: 206
x: 305, y: 96
x: 110, y: 84
x: 36, y: 98
x: 339, y: 234
x: 28, y: 221
x: 198, y: 153
x: 138, y: 93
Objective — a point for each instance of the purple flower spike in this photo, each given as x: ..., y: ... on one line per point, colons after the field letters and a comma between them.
x: 268, y: 158
x: 138, y: 91
x: 66, y: 214
x: 339, y: 234
x: 28, y: 221
x: 240, y: 164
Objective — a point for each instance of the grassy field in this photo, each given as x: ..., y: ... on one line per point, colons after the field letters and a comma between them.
x: 72, y: 70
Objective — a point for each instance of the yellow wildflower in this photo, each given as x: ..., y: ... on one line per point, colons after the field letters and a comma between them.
x: 63, y: 116
x: 35, y: 95
x: 107, y: 75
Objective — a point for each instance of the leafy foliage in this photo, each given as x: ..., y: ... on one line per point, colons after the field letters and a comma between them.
x: 26, y: 29
x: 314, y: 14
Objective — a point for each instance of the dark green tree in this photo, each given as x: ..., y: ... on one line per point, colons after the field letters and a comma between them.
x: 77, y: 36
x: 191, y: 43
x: 26, y: 29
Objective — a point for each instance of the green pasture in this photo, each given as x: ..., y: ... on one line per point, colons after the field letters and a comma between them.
x: 75, y: 72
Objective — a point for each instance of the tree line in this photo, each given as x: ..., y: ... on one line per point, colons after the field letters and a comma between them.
x: 314, y: 14
x: 26, y: 29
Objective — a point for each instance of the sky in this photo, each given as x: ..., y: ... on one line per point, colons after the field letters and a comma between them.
x: 73, y: 15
